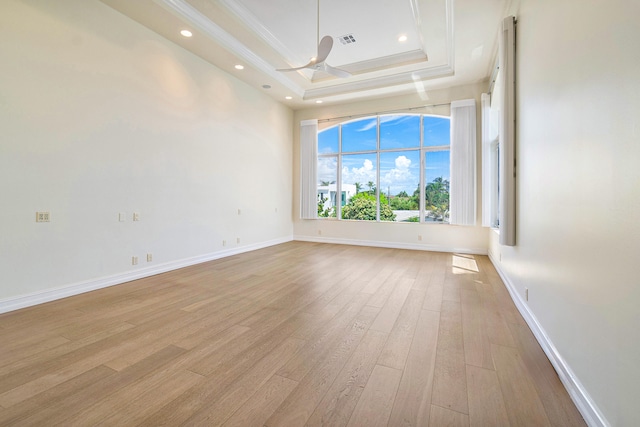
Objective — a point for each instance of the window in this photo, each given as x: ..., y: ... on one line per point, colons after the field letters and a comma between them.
x: 491, y: 159
x: 386, y: 168
x: 498, y: 142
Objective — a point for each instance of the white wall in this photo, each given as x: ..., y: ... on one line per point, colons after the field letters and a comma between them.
x: 578, y: 220
x: 439, y: 237
x: 99, y: 115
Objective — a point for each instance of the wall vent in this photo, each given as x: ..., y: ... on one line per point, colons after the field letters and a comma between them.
x: 347, y: 39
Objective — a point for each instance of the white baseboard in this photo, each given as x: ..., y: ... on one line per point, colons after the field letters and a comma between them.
x: 393, y: 245
x: 581, y: 398
x: 28, y: 300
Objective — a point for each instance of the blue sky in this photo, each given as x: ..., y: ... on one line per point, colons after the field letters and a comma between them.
x: 399, y: 170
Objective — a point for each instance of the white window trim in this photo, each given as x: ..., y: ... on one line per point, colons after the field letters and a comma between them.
x: 421, y: 149
x: 490, y: 163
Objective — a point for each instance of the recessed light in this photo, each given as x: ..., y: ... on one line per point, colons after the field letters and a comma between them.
x: 402, y: 38
x: 288, y: 97
x: 319, y: 101
x: 239, y: 67
x: 186, y: 33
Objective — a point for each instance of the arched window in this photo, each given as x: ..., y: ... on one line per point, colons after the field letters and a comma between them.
x: 392, y: 167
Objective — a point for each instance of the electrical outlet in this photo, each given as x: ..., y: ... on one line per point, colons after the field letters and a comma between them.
x: 526, y: 294
x: 149, y: 257
x: 319, y: 232
x: 43, y: 217
x: 122, y: 217
x: 237, y: 240
x: 419, y: 237
x: 136, y: 216
x: 134, y: 260
x: 239, y: 211
x: 224, y: 243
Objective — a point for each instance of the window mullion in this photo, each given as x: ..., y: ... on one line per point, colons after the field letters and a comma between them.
x: 339, y: 176
x: 423, y: 156
x: 396, y: 150
x: 378, y: 169
x: 437, y: 148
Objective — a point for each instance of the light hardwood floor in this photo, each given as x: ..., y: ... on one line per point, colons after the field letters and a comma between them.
x: 292, y: 335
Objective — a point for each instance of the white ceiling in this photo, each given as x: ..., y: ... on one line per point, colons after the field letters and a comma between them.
x: 449, y: 43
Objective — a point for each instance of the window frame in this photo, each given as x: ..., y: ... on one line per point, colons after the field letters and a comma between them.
x: 422, y: 149
x: 491, y: 156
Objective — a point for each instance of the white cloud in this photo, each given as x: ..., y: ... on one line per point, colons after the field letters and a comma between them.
x: 402, y: 162
x: 362, y: 174
x: 368, y: 126
x: 372, y: 123
x: 327, y: 169
x: 396, y: 118
x: 401, y: 177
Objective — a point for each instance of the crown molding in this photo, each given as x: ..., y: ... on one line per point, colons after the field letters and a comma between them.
x: 451, y: 52
x: 378, y: 82
x: 415, y: 11
x: 188, y: 13
x: 376, y: 64
x: 250, y: 20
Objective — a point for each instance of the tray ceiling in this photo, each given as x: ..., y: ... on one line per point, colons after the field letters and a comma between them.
x: 447, y: 43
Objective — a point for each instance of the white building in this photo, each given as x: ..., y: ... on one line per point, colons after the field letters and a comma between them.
x: 327, y: 194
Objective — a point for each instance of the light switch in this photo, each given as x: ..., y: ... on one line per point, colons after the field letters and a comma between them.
x: 43, y: 217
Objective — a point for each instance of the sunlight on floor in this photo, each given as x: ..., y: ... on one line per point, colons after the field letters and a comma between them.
x: 463, y: 264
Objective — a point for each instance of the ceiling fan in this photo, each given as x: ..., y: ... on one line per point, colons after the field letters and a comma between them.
x: 324, y: 49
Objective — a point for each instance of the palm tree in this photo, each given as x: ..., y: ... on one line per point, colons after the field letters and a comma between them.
x: 358, y: 187
x: 370, y: 185
x: 437, y: 197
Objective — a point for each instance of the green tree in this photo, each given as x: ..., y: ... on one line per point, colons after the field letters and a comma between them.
x: 362, y: 206
x: 436, y: 197
x: 358, y: 187
x: 322, y: 212
x: 404, y: 203
x: 370, y: 184
x: 383, y: 198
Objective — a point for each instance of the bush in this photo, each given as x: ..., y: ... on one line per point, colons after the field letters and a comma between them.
x: 404, y: 203
x: 362, y: 206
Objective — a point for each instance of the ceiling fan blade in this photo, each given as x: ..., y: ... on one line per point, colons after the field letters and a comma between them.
x: 324, y: 49
x: 309, y: 65
x: 336, y: 71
